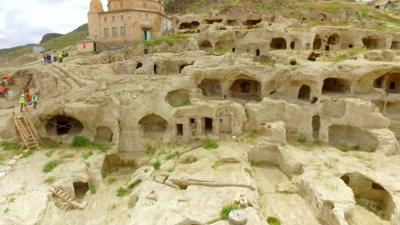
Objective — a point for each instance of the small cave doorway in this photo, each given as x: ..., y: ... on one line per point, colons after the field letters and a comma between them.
x: 336, y: 85
x: 80, y: 189
x: 63, y: 125
x: 317, y: 44
x: 246, y: 89
x: 278, y: 43
x: 304, y: 93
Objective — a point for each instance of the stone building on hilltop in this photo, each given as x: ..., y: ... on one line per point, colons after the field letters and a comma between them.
x: 126, y: 20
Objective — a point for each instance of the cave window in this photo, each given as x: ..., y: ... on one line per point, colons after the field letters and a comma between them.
x: 208, y: 125
x: 316, y: 124
x: 153, y: 124
x: 233, y: 50
x: 335, y: 85
x: 392, y: 85
x: 370, y: 43
x: 258, y: 52
x: 333, y: 39
x: 292, y: 45
x: 211, y: 87
x: 139, y: 65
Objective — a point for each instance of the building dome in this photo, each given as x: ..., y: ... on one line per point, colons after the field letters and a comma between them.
x: 96, y: 6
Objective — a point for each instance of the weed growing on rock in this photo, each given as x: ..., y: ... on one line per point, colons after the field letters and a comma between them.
x: 93, y: 189
x: 7, y: 146
x: 157, y: 165
x: 50, y: 166
x: 273, y: 221
x: 80, y: 142
x: 226, y: 210
x: 122, y: 192
x: 210, y: 144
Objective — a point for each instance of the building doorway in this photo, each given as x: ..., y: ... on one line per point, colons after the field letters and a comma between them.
x: 147, y: 34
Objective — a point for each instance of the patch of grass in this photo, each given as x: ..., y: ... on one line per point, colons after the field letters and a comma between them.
x: 210, y: 144
x: 1, y: 159
x: 273, y: 221
x: 150, y: 151
x: 8, y: 146
x: 110, y: 181
x: 87, y: 155
x: 102, y: 147
x: 50, y: 152
x: 50, y: 180
x: 317, y: 142
x: 27, y: 153
x: 122, y: 192
x: 80, y: 142
x: 172, y: 156
x: 226, y: 210
x: 157, y: 165
x: 302, y: 140
x: 50, y: 166
x: 93, y: 189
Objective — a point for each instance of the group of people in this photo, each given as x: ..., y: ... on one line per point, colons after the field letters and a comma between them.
x: 28, y: 98
x: 48, y: 58
x: 6, y: 81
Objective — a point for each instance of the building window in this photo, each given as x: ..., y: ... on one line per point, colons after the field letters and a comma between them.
x: 105, y: 19
x: 123, y: 31
x: 114, y: 32
x: 113, y: 18
x: 106, y: 33
x: 147, y: 34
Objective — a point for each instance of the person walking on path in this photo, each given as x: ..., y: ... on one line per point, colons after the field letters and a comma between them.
x: 22, y: 101
x: 35, y: 99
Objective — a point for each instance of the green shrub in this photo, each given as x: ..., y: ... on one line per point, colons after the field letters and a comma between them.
x: 27, y: 153
x: 210, y: 144
x: 172, y: 155
x: 302, y: 140
x: 273, y: 221
x: 80, y: 142
x: 50, y: 166
x: 93, y: 189
x: 226, y: 210
x: 7, y: 146
x: 50, y: 180
x: 157, y: 165
x: 150, y: 150
x: 87, y: 155
x: 122, y: 192
x: 50, y: 152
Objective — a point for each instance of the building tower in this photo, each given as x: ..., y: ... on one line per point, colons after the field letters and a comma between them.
x: 96, y: 7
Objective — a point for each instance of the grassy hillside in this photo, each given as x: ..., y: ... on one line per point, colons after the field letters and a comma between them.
x: 71, y: 38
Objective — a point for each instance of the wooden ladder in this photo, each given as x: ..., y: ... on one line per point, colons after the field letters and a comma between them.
x: 27, y: 131
x: 60, y: 193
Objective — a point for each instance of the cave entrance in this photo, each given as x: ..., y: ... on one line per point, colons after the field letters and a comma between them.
x: 370, y: 195
x: 317, y: 43
x: 370, y: 43
x: 278, y: 43
x: 153, y: 125
x: 336, y: 85
x: 333, y: 39
x: 211, y: 87
x: 316, y: 124
x: 304, y: 93
x: 246, y: 89
x: 63, y: 125
x: 205, y: 45
x: 208, y: 125
x: 80, y: 189
x: 179, y: 130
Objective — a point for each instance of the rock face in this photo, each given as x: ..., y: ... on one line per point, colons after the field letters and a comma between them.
x: 227, y: 114
x: 49, y: 36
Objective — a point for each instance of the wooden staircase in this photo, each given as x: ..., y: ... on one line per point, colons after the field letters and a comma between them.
x: 27, y: 131
x: 59, y: 193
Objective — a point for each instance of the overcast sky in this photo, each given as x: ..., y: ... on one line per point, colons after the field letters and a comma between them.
x: 26, y: 21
